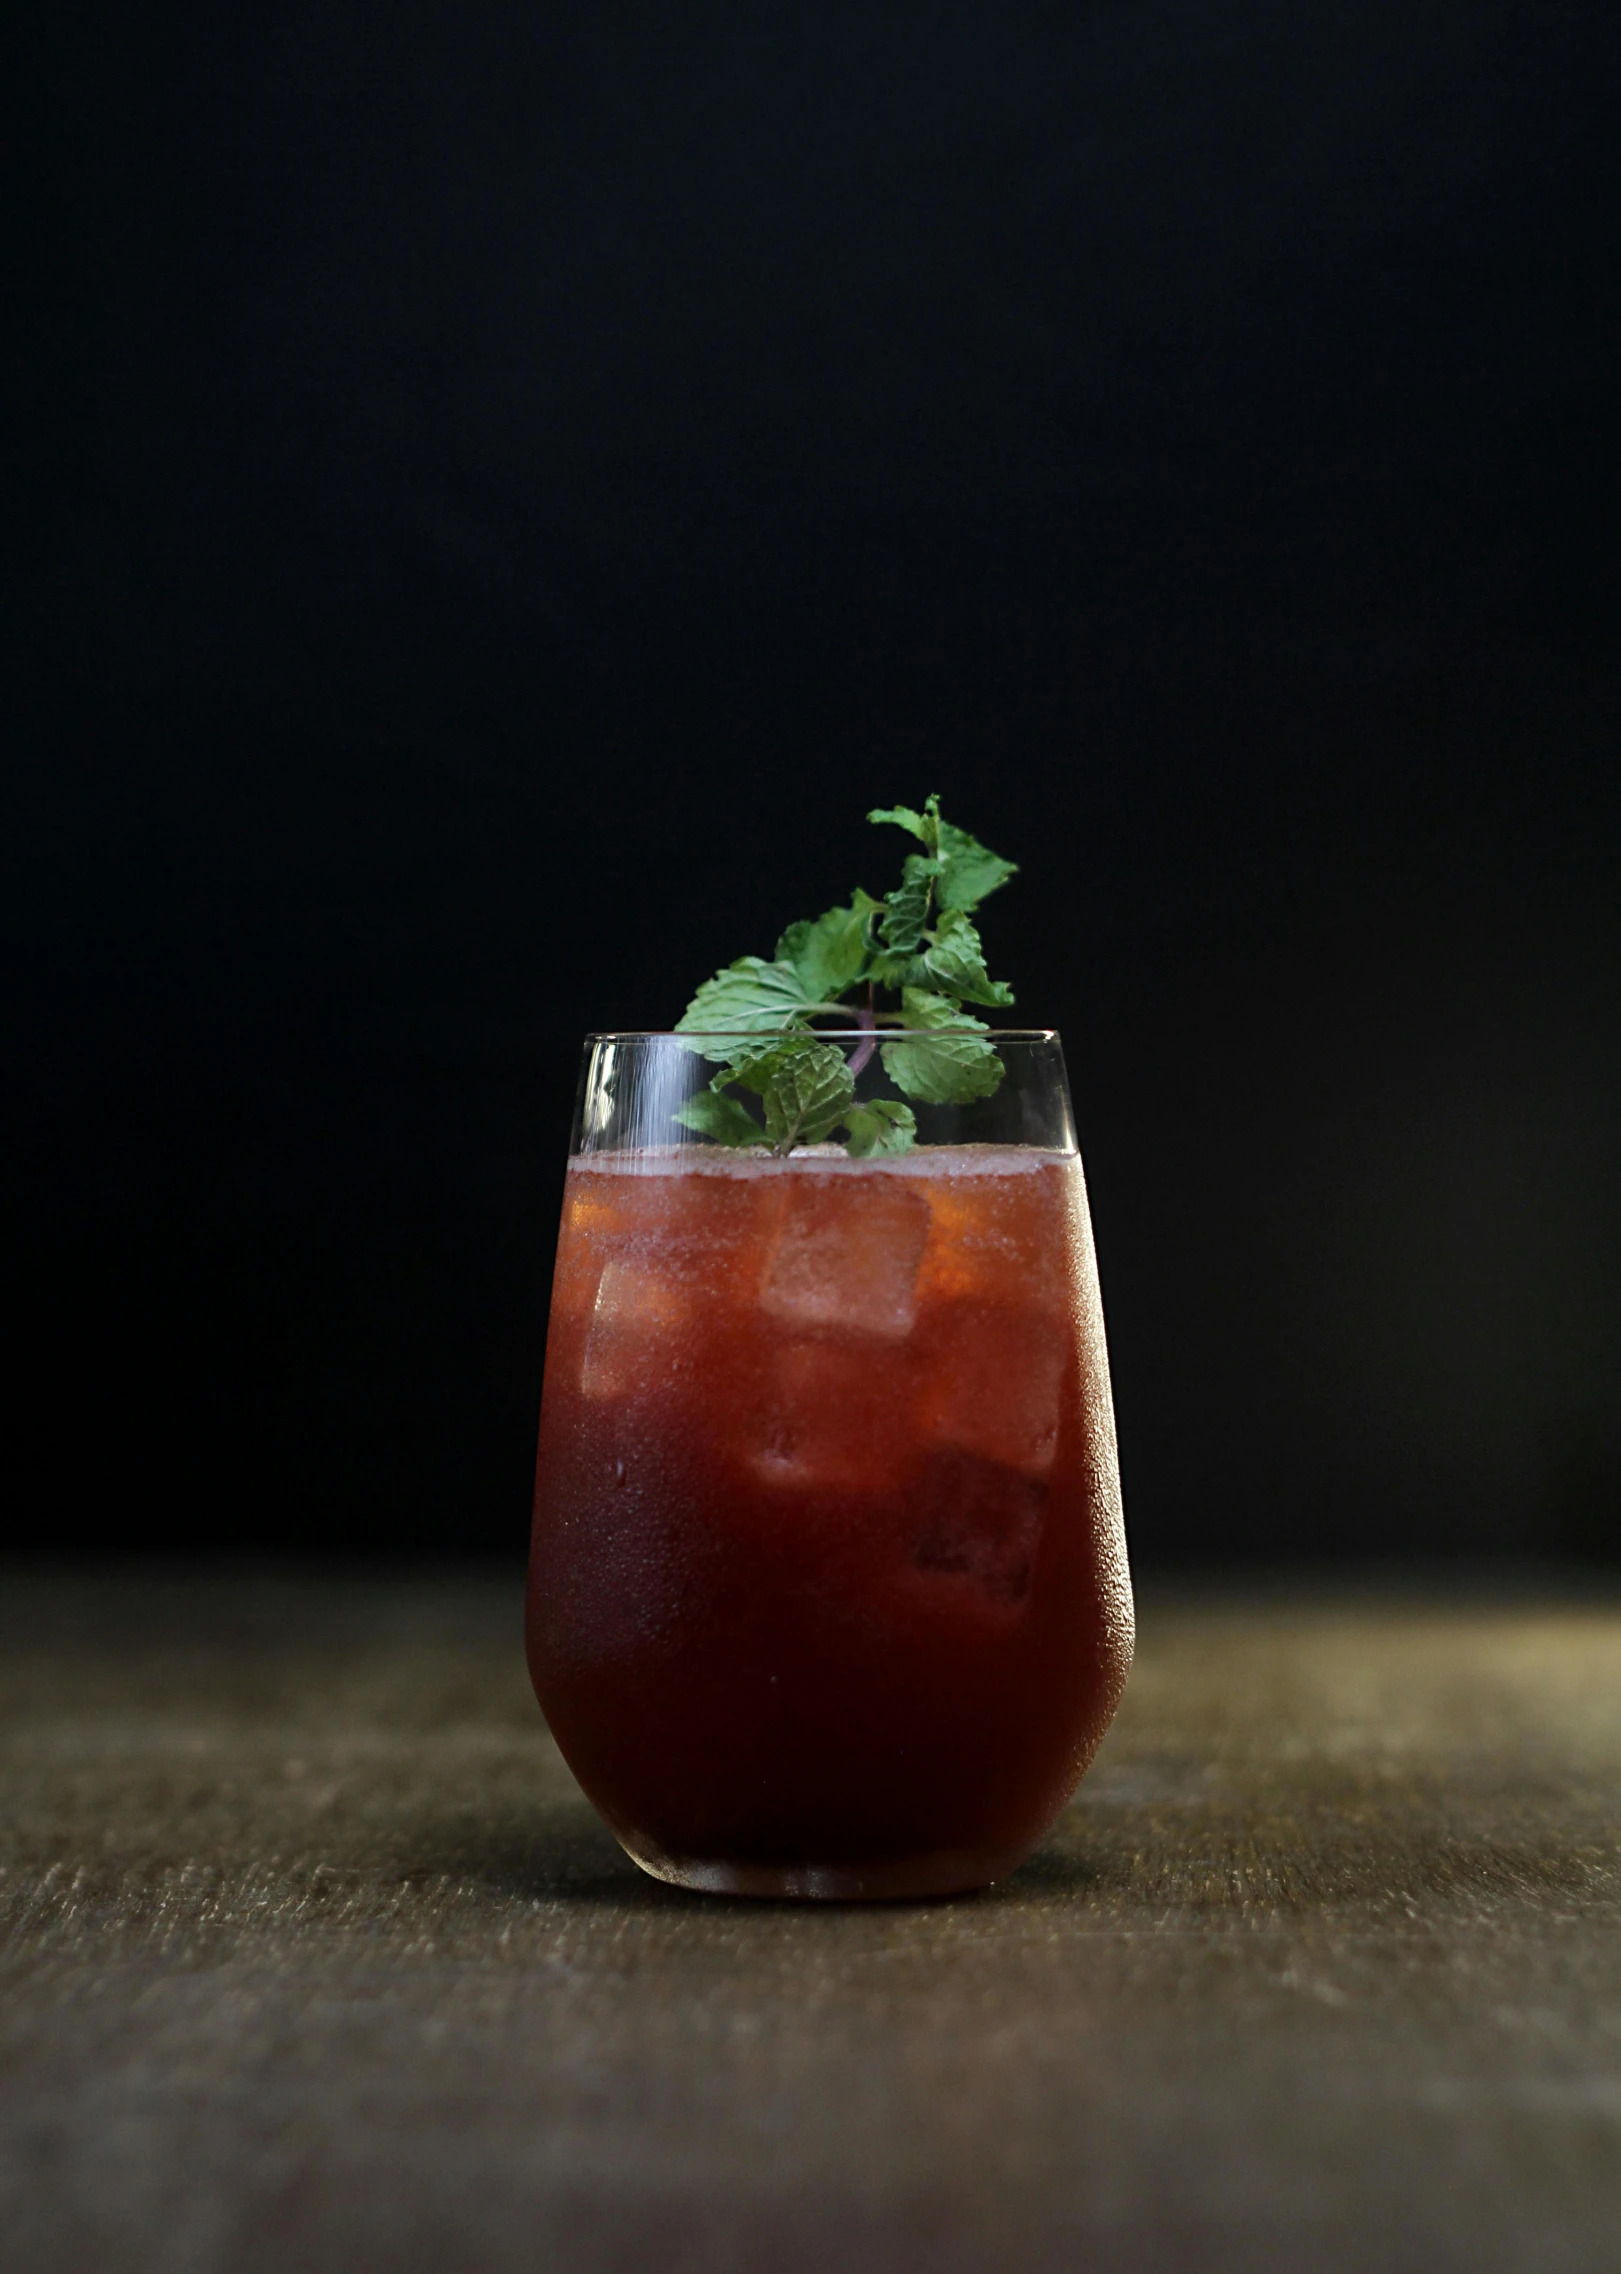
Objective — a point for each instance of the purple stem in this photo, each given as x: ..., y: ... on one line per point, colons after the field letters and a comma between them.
x: 864, y: 1050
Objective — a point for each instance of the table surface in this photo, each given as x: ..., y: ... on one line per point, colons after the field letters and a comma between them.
x: 314, y: 1956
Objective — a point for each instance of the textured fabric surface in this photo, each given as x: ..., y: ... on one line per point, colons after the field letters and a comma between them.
x: 315, y: 1957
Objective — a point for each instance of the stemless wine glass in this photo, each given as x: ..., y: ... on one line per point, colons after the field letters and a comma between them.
x: 828, y: 1593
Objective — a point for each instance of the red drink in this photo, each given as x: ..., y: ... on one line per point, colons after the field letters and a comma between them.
x: 829, y: 1588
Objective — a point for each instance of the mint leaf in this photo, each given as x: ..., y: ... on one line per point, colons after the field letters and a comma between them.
x: 898, y: 971
x: 925, y: 826
x: 754, y: 1018
x: 954, y: 964
x: 885, y: 1126
x: 727, y: 1120
x: 829, y: 956
x: 750, y: 996
x: 907, y: 907
x: 805, y: 1086
x: 948, y: 1066
x: 970, y: 870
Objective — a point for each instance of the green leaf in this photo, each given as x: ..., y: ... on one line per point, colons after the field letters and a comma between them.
x: 907, y: 907
x: 897, y: 971
x: 754, y: 1018
x: 954, y: 964
x: 727, y: 1120
x: 925, y: 826
x: 750, y: 996
x: 969, y: 870
x: 830, y: 955
x: 949, y: 1065
x: 805, y: 1086
x: 884, y: 1126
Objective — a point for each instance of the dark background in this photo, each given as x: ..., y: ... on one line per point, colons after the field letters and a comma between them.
x: 504, y: 488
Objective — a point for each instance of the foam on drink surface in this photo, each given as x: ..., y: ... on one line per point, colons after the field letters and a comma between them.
x: 923, y: 1161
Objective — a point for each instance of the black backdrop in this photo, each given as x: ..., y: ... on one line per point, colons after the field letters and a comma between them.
x: 506, y: 486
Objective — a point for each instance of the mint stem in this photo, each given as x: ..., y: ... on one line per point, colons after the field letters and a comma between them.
x: 866, y: 1016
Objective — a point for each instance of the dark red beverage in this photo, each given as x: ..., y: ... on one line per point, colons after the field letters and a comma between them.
x: 829, y: 1590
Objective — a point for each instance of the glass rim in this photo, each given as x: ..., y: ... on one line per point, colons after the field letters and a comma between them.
x: 994, y: 1034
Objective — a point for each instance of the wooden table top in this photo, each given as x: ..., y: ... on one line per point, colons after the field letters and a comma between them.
x: 314, y: 1957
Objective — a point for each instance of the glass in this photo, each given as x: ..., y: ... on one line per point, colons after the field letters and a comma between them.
x: 828, y: 1591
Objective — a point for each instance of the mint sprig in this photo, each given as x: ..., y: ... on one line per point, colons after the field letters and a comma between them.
x: 948, y: 1066
x: 918, y: 941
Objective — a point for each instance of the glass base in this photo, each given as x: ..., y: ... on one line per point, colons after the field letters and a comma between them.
x: 947, y: 1871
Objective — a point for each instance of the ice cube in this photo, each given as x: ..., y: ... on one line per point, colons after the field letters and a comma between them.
x: 996, y: 1239
x: 993, y: 1386
x: 983, y: 1529
x: 632, y: 1319
x: 846, y: 1256
x: 827, y: 1418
